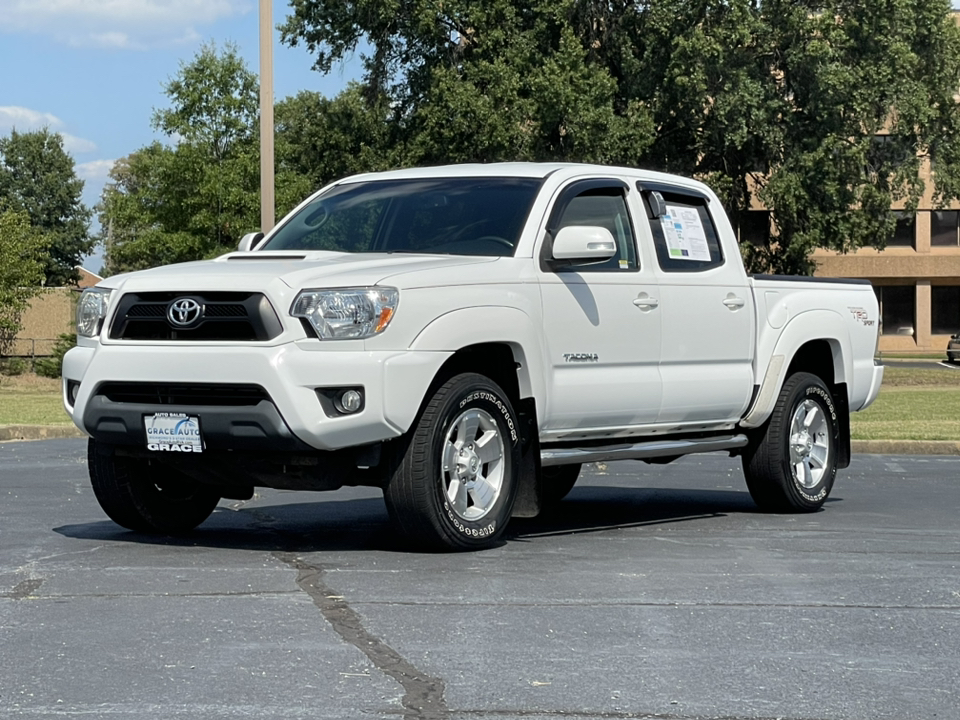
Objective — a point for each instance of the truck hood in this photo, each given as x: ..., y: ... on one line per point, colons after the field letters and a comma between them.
x: 295, y: 270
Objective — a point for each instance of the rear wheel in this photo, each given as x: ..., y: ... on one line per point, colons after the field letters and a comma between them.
x: 558, y: 481
x: 455, y: 483
x: 139, y: 494
x: 791, y: 464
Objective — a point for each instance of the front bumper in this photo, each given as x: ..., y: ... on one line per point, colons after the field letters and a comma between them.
x: 394, y: 384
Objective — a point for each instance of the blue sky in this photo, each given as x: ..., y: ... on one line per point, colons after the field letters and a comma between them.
x: 93, y: 70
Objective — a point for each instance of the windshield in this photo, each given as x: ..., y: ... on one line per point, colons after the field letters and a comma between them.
x: 447, y: 216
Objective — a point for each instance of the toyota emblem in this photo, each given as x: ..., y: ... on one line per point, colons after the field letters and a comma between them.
x: 184, y: 312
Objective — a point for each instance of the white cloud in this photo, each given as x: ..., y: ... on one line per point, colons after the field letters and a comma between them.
x: 76, y: 145
x: 117, y: 23
x: 25, y: 120
x: 95, y: 171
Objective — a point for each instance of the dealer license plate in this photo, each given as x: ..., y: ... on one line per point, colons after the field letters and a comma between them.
x: 173, y: 432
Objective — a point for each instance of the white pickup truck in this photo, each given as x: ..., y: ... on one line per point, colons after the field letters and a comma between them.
x: 465, y: 338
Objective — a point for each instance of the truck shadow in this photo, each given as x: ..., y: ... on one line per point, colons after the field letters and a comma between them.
x: 363, y: 524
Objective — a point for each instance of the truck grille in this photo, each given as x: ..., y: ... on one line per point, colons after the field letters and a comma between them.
x: 210, y: 394
x: 237, y: 316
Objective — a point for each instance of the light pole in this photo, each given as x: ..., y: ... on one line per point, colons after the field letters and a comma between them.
x: 267, y: 199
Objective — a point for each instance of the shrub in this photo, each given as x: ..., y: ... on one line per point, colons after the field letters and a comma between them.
x: 13, y: 366
x: 52, y: 367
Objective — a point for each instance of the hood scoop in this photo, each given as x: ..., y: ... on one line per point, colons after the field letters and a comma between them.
x: 266, y: 256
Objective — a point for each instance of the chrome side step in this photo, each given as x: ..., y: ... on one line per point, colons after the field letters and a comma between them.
x: 639, y: 451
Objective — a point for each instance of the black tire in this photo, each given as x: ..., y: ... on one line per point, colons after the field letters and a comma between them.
x: 782, y: 478
x: 146, y: 496
x: 467, y: 504
x: 557, y: 482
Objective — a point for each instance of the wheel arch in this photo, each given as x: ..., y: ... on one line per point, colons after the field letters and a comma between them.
x: 503, y: 344
x: 828, y: 355
x: 470, y: 333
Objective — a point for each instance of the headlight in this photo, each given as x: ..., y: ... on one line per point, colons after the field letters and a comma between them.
x: 347, y: 313
x: 91, y: 310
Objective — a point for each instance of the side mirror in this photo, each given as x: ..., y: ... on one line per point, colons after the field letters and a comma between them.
x: 249, y: 241
x: 584, y: 242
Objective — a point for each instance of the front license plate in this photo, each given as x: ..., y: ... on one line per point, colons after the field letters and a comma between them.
x: 173, y: 432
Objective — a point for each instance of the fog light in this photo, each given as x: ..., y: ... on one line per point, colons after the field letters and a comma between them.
x: 73, y: 387
x: 349, y: 401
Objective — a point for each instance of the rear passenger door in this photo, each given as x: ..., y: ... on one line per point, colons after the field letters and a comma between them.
x: 707, y: 338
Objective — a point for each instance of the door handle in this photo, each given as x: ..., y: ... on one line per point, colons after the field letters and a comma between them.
x: 733, y: 302
x: 645, y: 302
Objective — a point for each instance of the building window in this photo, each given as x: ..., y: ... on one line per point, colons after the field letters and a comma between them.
x: 943, y: 228
x: 898, y: 309
x: 945, y: 315
x: 755, y: 227
x: 906, y: 231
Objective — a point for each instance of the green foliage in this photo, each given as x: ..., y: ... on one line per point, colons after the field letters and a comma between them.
x: 12, y: 366
x: 215, y: 102
x: 776, y: 101
x: 22, y: 251
x: 194, y: 198
x: 52, y: 367
x: 472, y: 81
x: 37, y: 177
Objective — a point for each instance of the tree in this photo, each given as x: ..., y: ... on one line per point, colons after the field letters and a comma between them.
x: 38, y: 177
x: 22, y: 251
x: 776, y: 101
x: 324, y: 139
x: 193, y: 198
x: 478, y: 80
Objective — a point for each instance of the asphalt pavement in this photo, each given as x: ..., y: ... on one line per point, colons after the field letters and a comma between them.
x: 651, y: 592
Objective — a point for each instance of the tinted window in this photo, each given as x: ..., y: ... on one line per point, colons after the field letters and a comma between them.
x: 607, y: 209
x: 943, y: 227
x: 898, y: 309
x: 685, y: 237
x: 906, y: 230
x: 945, y: 306
x: 450, y: 216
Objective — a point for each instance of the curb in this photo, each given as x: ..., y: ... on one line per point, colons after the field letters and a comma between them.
x: 905, y: 447
x: 13, y: 433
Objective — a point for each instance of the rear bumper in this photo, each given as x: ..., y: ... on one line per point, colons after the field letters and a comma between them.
x: 876, y: 379
x: 291, y: 417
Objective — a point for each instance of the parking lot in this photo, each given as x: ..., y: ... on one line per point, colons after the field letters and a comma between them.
x: 653, y: 591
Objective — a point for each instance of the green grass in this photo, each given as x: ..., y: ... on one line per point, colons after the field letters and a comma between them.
x: 31, y: 400
x: 910, y: 413
x: 934, y: 376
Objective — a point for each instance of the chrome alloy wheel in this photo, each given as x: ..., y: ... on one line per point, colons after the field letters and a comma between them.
x: 473, y: 464
x: 809, y: 444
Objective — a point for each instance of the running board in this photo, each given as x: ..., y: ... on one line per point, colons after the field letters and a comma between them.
x: 639, y: 451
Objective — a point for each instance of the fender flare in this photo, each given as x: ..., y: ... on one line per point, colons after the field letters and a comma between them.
x: 802, y: 328
x: 462, y: 328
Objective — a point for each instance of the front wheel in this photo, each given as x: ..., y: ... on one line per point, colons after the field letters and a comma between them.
x: 143, y: 495
x: 790, y: 465
x: 455, y: 483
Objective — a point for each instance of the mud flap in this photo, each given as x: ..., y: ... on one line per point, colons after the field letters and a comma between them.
x: 840, y: 400
x: 528, y: 501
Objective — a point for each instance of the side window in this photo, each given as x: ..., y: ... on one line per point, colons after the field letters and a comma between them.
x: 606, y: 208
x: 684, y: 234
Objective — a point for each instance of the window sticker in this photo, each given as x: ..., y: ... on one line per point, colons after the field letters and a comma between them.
x: 683, y: 231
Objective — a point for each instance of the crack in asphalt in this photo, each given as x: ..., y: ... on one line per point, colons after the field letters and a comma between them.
x: 423, y: 697
x: 23, y: 590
